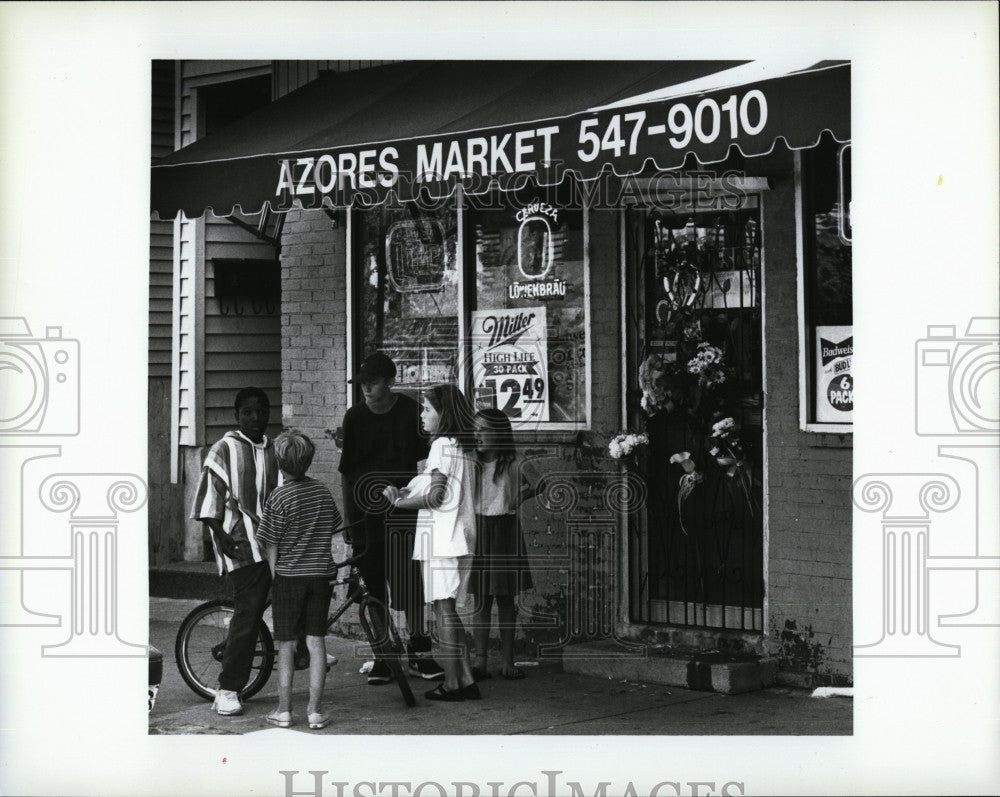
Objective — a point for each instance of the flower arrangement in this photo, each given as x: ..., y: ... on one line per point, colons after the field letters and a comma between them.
x: 624, y: 444
x: 725, y: 447
x: 653, y: 384
x: 707, y: 365
x: 689, y: 480
x: 665, y: 384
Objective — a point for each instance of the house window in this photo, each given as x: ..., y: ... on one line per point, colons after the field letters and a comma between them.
x: 229, y: 101
x: 827, y: 317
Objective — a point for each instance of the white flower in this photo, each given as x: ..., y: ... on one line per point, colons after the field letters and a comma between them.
x: 725, y: 425
x: 615, y: 449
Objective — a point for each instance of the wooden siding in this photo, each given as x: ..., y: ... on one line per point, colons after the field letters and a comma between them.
x: 161, y: 233
x: 240, y: 350
x: 189, y: 293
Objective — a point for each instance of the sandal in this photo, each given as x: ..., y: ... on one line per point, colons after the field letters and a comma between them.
x: 449, y: 695
x: 480, y: 674
x: 280, y: 719
x: 471, y: 692
x: 516, y: 675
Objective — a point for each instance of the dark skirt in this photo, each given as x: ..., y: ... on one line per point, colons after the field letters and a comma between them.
x: 500, y: 565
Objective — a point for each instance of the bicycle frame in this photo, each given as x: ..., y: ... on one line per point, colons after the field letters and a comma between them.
x: 373, y: 616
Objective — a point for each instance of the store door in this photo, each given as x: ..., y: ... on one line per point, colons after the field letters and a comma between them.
x: 695, y: 377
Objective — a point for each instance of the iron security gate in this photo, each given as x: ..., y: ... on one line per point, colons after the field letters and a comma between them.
x: 695, y: 366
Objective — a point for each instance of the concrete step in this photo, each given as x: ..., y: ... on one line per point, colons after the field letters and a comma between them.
x: 705, y: 671
x: 200, y: 580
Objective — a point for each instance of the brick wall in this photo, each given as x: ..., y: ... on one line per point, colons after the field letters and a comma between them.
x: 313, y: 335
x: 809, y: 478
x: 575, y: 550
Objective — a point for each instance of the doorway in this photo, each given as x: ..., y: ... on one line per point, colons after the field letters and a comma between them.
x: 695, y: 386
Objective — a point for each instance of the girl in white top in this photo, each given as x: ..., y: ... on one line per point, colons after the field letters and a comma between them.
x: 500, y: 567
x: 446, y: 528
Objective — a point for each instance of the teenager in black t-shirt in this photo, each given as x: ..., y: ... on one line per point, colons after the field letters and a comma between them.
x: 382, y: 445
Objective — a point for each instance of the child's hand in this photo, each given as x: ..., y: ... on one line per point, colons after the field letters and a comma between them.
x: 391, y: 494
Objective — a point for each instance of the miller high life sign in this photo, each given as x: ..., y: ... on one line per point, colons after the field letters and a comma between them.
x: 509, y: 363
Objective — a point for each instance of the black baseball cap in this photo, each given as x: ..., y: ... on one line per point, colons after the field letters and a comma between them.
x: 375, y: 366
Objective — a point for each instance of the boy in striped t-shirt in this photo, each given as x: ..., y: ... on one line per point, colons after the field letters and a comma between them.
x: 297, y: 528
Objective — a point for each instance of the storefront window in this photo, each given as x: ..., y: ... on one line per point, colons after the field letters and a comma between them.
x: 829, y: 331
x: 407, y: 291
x: 528, y: 331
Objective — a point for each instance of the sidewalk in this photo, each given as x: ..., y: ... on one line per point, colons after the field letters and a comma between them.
x: 547, y: 701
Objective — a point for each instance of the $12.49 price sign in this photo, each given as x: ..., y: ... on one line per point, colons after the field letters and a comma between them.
x: 509, y: 362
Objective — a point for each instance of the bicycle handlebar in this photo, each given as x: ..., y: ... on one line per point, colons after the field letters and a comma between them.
x: 347, y: 526
x: 351, y: 559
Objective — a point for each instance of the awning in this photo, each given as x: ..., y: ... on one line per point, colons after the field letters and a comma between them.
x: 430, y: 125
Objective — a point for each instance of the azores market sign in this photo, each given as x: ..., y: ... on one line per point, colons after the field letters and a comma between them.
x: 624, y: 139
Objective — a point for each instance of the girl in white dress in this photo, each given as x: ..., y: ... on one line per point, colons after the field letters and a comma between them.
x: 446, y: 529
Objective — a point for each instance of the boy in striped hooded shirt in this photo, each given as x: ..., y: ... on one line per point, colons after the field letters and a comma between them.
x: 239, y: 473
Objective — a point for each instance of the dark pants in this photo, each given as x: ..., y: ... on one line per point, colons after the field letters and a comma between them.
x: 251, y: 585
x: 388, y: 548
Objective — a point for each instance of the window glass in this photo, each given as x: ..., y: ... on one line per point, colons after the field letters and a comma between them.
x: 528, y: 332
x: 408, y: 291
x: 827, y: 280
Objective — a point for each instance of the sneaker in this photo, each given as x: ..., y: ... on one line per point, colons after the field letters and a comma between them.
x: 318, y: 720
x: 379, y: 674
x: 280, y: 719
x: 426, y: 668
x: 227, y: 703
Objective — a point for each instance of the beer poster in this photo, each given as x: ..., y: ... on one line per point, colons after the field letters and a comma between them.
x: 509, y: 363
x: 834, y: 382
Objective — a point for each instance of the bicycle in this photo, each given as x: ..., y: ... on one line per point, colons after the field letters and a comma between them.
x: 201, y: 639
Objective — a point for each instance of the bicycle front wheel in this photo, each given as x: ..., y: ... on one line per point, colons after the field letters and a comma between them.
x: 201, y: 643
x: 386, y: 644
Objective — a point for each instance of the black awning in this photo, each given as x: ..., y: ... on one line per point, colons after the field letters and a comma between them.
x: 430, y: 125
